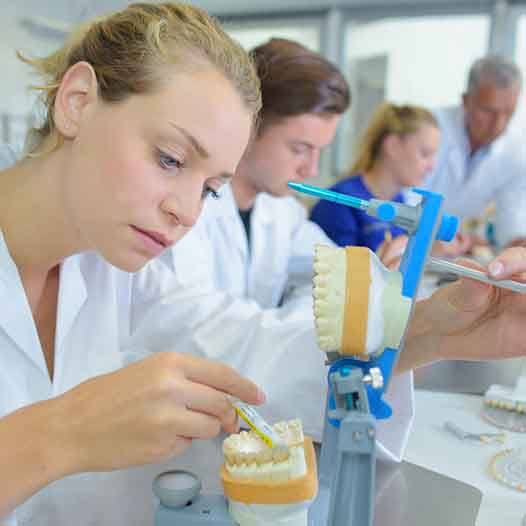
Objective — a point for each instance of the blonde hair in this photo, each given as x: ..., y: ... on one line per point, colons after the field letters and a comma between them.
x: 388, y: 119
x: 129, y: 51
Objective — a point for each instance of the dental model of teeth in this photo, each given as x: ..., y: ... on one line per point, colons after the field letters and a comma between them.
x: 247, y: 456
x: 270, y: 486
x: 358, y: 304
x: 505, y: 407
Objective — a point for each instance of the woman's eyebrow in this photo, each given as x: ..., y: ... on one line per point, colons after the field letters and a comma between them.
x: 201, y: 151
x: 196, y: 145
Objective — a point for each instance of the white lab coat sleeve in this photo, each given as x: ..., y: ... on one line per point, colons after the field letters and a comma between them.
x: 510, y: 201
x: 276, y: 348
x: 9, y: 520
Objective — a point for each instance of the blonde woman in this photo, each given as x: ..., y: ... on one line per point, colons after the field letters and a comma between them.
x: 148, y: 111
x: 397, y: 150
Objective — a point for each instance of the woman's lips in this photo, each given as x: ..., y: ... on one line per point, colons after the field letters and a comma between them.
x: 153, y: 241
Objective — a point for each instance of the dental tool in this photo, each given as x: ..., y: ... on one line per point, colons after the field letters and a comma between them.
x: 440, y: 265
x: 486, y: 438
x: 261, y: 428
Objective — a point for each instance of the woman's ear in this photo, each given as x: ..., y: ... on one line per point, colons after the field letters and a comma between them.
x: 78, y: 89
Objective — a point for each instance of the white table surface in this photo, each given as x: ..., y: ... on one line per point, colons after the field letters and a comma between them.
x: 433, y: 447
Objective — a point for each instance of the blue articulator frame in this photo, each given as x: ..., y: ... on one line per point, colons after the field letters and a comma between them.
x: 430, y: 225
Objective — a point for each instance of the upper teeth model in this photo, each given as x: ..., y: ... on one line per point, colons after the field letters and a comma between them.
x: 358, y: 304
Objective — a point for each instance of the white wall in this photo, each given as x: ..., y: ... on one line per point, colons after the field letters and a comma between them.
x: 521, y: 43
x: 428, y: 58
x: 17, y: 100
x: 250, y: 35
x: 520, y: 57
x: 16, y: 76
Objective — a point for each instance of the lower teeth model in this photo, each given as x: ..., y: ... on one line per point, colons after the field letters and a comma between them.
x: 358, y: 304
x: 270, y: 486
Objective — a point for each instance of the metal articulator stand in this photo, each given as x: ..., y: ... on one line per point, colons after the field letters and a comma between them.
x: 348, y: 461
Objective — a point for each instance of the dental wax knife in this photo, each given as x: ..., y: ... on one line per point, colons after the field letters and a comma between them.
x: 440, y: 265
x: 435, y: 264
x: 256, y: 422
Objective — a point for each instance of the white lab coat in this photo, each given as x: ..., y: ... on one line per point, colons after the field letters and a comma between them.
x: 89, y: 341
x: 279, y: 261
x: 497, y: 173
x: 106, y: 318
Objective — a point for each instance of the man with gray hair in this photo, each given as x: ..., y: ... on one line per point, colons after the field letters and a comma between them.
x: 482, y: 158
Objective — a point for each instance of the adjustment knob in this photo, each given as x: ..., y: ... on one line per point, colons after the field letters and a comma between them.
x: 374, y: 378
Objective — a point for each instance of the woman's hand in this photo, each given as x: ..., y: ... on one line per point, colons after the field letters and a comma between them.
x: 390, y: 252
x: 460, y: 245
x: 148, y: 411
x: 469, y: 320
x: 140, y: 414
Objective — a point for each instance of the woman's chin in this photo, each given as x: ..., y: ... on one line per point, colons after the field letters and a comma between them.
x: 128, y: 263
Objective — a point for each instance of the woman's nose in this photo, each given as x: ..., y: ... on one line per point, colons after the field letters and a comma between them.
x: 183, y: 209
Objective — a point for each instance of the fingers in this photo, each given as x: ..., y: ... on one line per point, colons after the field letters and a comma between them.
x: 391, y: 252
x: 460, y: 245
x: 381, y: 250
x: 470, y: 263
x: 223, y: 378
x: 195, y: 425
x: 468, y: 294
x: 511, y: 261
x: 518, y: 242
x: 209, y: 401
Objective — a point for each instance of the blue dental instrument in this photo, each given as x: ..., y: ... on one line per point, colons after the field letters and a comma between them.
x: 336, y: 197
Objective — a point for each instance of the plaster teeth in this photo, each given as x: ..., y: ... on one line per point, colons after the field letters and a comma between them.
x: 247, y: 456
x: 330, y: 265
x: 321, y: 280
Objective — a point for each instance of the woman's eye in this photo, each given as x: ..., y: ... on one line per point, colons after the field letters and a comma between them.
x: 300, y: 149
x: 168, y: 162
x: 210, y: 191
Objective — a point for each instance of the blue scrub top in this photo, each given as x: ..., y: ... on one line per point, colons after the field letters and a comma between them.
x: 350, y: 226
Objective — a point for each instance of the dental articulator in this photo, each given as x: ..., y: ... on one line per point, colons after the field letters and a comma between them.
x: 361, y: 311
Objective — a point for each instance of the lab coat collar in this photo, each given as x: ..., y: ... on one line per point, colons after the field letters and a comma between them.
x: 15, y: 314
x: 226, y: 212
x: 263, y: 210
x: 16, y: 318
x: 226, y: 206
x: 71, y: 297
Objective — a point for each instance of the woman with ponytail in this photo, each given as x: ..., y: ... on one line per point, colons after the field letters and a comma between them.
x: 396, y: 151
